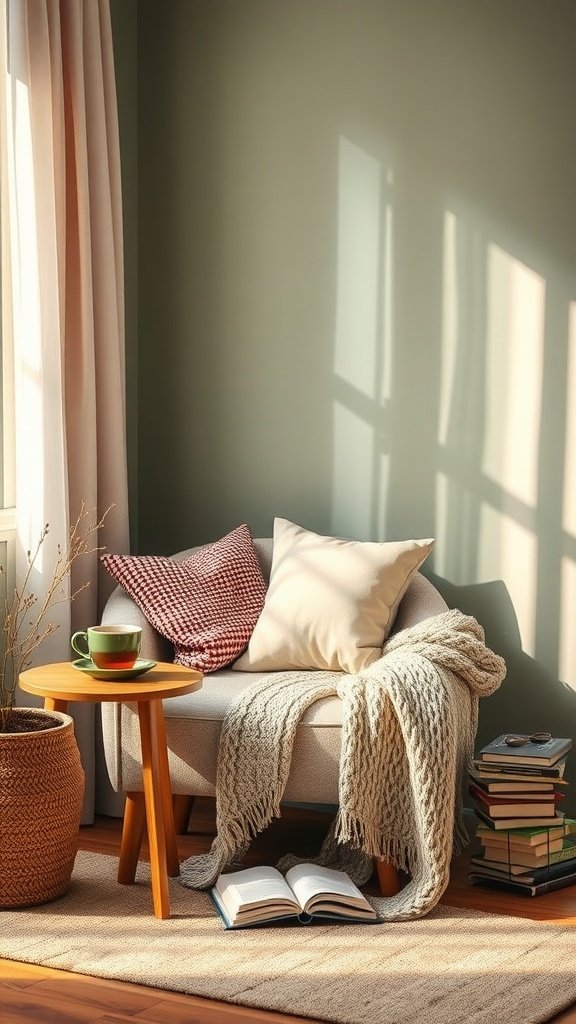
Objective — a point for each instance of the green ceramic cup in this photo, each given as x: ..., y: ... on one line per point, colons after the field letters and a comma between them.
x: 110, y: 647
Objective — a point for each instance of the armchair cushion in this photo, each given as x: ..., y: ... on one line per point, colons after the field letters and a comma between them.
x: 206, y: 605
x: 331, y: 602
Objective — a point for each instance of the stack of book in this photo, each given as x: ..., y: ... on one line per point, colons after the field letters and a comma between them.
x: 528, y: 845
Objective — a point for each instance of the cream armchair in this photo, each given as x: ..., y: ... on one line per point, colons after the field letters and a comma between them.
x: 193, y: 722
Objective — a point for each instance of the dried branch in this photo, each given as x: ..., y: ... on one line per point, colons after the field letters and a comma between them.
x: 26, y: 625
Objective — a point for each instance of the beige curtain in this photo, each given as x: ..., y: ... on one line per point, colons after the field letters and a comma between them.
x: 64, y: 300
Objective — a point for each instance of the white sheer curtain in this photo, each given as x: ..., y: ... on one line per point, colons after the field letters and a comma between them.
x: 63, y: 297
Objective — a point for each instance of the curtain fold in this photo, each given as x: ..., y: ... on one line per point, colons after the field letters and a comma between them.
x: 66, y: 296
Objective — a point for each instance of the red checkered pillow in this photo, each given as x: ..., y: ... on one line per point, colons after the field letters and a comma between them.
x: 206, y: 605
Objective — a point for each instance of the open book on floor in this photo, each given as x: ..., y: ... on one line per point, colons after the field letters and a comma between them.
x: 263, y: 895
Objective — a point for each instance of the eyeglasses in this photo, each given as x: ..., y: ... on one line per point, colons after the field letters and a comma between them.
x: 519, y: 741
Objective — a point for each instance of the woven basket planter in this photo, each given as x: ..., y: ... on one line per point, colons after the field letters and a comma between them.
x: 41, y: 793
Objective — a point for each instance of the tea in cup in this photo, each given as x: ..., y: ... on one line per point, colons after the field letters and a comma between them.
x: 109, y: 647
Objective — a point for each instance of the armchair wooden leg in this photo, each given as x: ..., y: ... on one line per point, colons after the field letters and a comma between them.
x: 388, y: 878
x: 182, y: 805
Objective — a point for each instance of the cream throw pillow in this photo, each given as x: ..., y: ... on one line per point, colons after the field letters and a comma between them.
x: 331, y: 602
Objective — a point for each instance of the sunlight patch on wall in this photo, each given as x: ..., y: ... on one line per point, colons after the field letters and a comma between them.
x: 567, y: 644
x: 569, y: 500
x: 358, y: 281
x: 388, y: 295
x: 514, y: 362
x: 508, y: 551
x: 353, y: 484
x: 449, y: 324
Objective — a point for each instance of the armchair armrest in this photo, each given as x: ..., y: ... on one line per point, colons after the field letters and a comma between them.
x: 120, y: 608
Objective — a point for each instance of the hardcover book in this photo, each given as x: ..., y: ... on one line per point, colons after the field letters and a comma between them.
x: 534, y: 771
x: 494, y: 867
x: 528, y: 806
x: 508, y: 823
x: 511, y: 784
x: 533, y: 836
x: 544, y: 754
x: 519, y: 848
x: 525, y: 876
x: 514, y: 884
x: 262, y: 895
x: 526, y: 858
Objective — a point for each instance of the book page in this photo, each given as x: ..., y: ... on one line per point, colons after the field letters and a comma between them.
x: 252, y: 887
x: 322, y: 905
x: 315, y: 886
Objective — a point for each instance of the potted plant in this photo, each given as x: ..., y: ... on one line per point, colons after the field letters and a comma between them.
x: 41, y: 775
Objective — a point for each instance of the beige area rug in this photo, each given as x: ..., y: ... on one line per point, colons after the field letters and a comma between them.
x: 452, y: 966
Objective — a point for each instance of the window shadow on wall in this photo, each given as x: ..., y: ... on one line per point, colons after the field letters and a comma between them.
x: 454, y: 389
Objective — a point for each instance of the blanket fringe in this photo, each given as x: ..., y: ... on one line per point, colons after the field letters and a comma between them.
x: 461, y: 836
x: 231, y: 843
x: 371, y: 841
x: 249, y: 822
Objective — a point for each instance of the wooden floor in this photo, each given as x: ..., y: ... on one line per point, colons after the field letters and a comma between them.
x: 48, y: 996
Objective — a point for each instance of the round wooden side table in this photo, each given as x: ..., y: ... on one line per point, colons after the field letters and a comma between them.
x: 61, y: 683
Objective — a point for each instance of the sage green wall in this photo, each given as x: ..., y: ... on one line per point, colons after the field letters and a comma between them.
x: 356, y: 260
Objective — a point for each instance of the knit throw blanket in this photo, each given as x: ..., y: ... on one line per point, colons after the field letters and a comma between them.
x: 409, y: 725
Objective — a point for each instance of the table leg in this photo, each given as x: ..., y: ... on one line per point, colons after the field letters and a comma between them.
x: 132, y: 835
x: 55, y: 704
x: 173, y: 862
x: 154, y: 772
